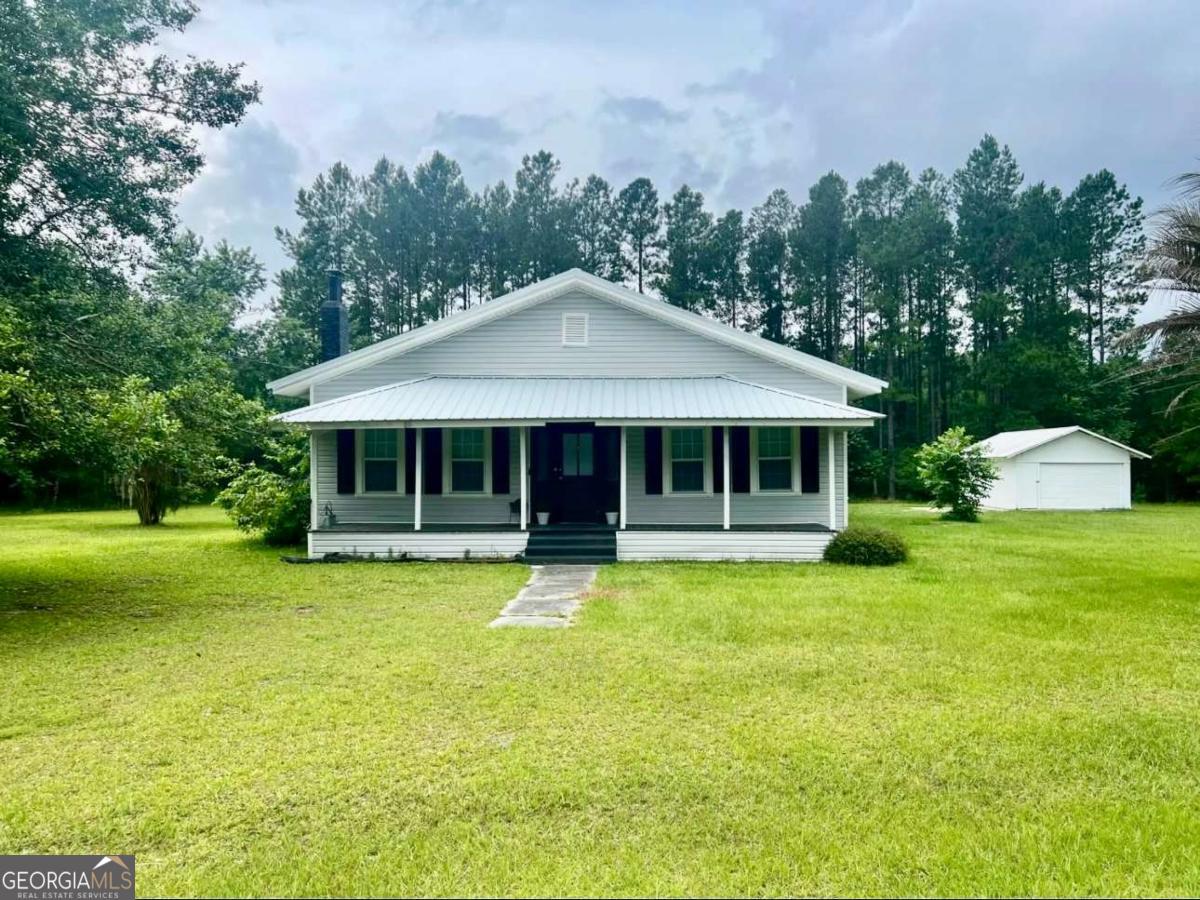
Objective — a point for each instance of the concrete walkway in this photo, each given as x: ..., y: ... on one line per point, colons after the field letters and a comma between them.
x: 549, y: 598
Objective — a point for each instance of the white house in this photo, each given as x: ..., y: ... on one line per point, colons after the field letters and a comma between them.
x: 575, y: 420
x: 1059, y: 468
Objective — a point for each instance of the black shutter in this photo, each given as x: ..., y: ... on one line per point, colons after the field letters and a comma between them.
x: 718, y: 458
x: 739, y: 459
x: 410, y: 461
x: 810, y: 460
x: 432, y: 461
x: 345, y: 461
x: 653, y: 460
x: 500, y: 458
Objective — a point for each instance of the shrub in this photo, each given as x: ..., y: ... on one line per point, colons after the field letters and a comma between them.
x: 956, y: 473
x: 861, y: 546
x: 274, y: 503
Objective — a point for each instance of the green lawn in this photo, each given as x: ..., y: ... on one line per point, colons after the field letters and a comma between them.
x: 1017, y: 710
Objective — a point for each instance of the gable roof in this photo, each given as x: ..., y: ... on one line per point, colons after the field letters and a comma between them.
x: 480, y: 398
x: 1008, y: 444
x: 856, y: 383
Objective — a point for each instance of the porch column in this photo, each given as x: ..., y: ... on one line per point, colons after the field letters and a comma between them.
x: 523, y: 434
x: 726, y: 487
x: 624, y: 502
x: 313, y: 501
x: 846, y: 475
x: 419, y: 478
x: 832, y: 480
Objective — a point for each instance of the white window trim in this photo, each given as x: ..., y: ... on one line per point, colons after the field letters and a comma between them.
x: 360, y: 445
x: 668, y: 486
x: 795, y: 488
x: 448, y: 469
x: 586, y: 330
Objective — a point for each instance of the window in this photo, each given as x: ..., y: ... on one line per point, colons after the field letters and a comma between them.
x: 687, y: 460
x: 380, y: 461
x: 775, y: 459
x: 578, y: 454
x: 467, y: 461
x: 575, y: 329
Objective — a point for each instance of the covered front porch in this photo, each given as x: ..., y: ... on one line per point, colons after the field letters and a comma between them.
x: 669, y: 468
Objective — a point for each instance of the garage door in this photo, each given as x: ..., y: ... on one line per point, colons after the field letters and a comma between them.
x: 1081, y: 486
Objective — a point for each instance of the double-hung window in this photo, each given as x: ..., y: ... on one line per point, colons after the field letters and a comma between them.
x: 687, y: 466
x: 775, y: 456
x: 468, y: 458
x: 380, y: 461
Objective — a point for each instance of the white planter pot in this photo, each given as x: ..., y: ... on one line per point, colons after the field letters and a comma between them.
x: 543, y: 518
x: 611, y: 518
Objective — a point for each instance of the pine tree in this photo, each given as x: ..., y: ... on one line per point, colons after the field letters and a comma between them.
x: 725, y: 264
x: 767, y: 263
x: 683, y: 281
x: 595, y: 228
x: 327, y: 212
x: 1106, y: 243
x: 821, y: 249
x: 638, y: 212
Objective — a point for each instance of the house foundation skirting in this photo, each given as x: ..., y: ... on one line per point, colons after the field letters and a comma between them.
x: 795, y: 546
x: 654, y: 543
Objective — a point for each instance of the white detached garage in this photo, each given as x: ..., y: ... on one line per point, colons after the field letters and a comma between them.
x: 1059, y: 468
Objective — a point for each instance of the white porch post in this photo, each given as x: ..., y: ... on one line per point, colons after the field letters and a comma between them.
x: 846, y: 475
x: 832, y: 479
x: 726, y: 487
x: 523, y: 433
x: 313, y: 508
x: 419, y: 487
x: 624, y: 502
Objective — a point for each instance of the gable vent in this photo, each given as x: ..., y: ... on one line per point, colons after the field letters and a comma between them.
x: 575, y: 329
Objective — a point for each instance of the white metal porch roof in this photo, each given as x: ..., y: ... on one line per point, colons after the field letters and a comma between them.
x: 437, y: 399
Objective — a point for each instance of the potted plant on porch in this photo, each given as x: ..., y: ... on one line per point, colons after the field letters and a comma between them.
x: 612, y: 496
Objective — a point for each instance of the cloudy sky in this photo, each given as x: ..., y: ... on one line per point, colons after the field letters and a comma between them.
x: 732, y: 98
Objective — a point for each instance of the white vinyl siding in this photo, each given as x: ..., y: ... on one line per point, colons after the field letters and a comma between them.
x: 620, y: 341
x: 439, y: 509
x: 745, y: 509
x: 422, y: 545
x: 764, y: 546
x: 643, y: 509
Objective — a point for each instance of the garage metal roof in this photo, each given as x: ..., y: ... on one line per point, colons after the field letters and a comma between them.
x: 1008, y: 444
x: 470, y: 398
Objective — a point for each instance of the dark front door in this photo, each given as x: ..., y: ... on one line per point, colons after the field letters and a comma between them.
x: 574, y: 481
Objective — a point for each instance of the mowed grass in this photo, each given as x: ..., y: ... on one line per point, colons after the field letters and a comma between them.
x: 1017, y: 710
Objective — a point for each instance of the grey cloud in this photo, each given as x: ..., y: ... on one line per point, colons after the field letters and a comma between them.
x: 248, y: 187
x: 642, y: 110
x: 1072, y: 87
x: 460, y: 127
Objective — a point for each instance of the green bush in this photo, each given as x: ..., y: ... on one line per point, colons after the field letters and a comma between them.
x: 861, y: 546
x: 956, y: 473
x: 274, y: 503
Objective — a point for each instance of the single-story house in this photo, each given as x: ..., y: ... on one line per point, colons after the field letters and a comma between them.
x: 574, y: 419
x: 1059, y: 468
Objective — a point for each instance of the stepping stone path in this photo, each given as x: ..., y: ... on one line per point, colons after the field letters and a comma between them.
x: 549, y: 598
